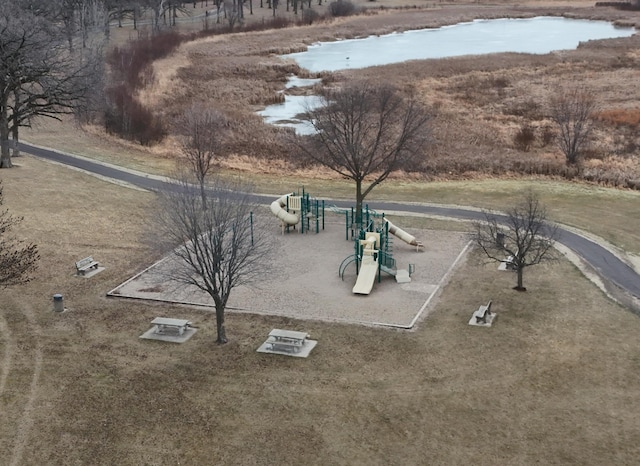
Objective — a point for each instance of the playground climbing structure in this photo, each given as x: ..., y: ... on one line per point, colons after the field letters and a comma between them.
x: 374, y: 250
x: 293, y: 209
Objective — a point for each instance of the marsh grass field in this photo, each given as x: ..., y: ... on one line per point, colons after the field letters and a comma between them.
x: 554, y: 381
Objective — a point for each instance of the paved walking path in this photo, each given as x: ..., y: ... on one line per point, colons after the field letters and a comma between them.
x: 611, y: 269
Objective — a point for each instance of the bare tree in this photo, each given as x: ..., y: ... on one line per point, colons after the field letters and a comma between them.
x: 364, y: 132
x: 39, y: 76
x: 213, y: 239
x: 523, y: 237
x: 233, y: 12
x: 572, y: 109
x: 204, y: 132
x: 17, y: 258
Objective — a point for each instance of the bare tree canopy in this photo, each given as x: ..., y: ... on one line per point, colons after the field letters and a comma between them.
x: 17, y: 259
x: 523, y: 236
x: 39, y: 74
x: 572, y: 109
x: 364, y: 132
x: 213, y: 238
x: 204, y: 132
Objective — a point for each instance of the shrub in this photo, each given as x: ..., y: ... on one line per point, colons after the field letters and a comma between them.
x: 132, y: 65
x: 342, y: 8
x: 129, y: 119
x: 548, y: 135
x: 524, y: 138
x: 309, y: 16
x: 527, y: 109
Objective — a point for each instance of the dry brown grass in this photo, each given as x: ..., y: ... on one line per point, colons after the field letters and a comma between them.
x: 554, y: 381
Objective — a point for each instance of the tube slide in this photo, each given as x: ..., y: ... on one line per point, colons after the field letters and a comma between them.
x: 278, y: 209
x: 403, y: 235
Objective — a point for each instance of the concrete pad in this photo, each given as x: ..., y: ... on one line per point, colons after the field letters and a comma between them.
x: 151, y: 334
x: 490, y: 319
x: 91, y: 272
x: 502, y: 266
x: 304, y: 352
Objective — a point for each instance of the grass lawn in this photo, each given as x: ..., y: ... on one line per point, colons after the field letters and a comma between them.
x: 554, y: 381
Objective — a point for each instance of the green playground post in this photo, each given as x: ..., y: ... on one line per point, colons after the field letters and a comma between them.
x: 251, y: 220
x: 346, y: 224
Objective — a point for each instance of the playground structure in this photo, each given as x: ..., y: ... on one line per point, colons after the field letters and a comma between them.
x: 293, y: 209
x: 373, y: 245
x: 373, y: 250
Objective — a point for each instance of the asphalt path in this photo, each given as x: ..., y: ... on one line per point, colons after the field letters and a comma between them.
x: 611, y: 269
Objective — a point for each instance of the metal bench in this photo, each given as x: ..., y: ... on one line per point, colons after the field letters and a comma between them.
x: 86, y: 264
x: 482, y: 313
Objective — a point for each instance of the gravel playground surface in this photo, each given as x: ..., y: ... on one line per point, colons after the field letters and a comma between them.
x: 303, y: 281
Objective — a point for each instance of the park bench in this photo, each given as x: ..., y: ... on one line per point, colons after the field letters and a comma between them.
x: 86, y: 264
x: 482, y: 313
x: 509, y: 263
x: 165, y: 325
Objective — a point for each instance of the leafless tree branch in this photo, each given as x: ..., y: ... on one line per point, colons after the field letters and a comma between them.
x: 215, y: 237
x: 364, y: 132
x: 523, y: 235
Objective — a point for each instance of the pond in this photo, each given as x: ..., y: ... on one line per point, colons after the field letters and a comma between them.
x: 538, y: 35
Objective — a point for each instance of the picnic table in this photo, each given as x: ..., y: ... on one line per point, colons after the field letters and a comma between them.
x: 286, y: 340
x: 166, y: 325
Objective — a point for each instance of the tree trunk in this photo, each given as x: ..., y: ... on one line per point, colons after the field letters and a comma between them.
x: 5, y: 154
x: 359, y: 201
x: 14, y: 142
x: 520, y: 272
x: 222, y: 335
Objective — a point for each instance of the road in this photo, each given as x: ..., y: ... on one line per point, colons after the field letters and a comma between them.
x: 614, y: 272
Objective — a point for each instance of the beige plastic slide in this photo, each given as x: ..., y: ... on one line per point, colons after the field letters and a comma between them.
x: 403, y: 235
x: 278, y: 209
x: 366, y: 275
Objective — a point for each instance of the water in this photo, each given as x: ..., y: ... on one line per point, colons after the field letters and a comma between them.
x: 535, y: 35
x: 538, y: 35
x: 284, y: 114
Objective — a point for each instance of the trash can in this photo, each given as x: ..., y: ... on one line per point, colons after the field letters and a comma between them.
x: 500, y: 239
x: 58, y: 304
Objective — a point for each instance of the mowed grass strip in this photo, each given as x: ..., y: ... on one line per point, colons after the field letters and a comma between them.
x: 554, y: 381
